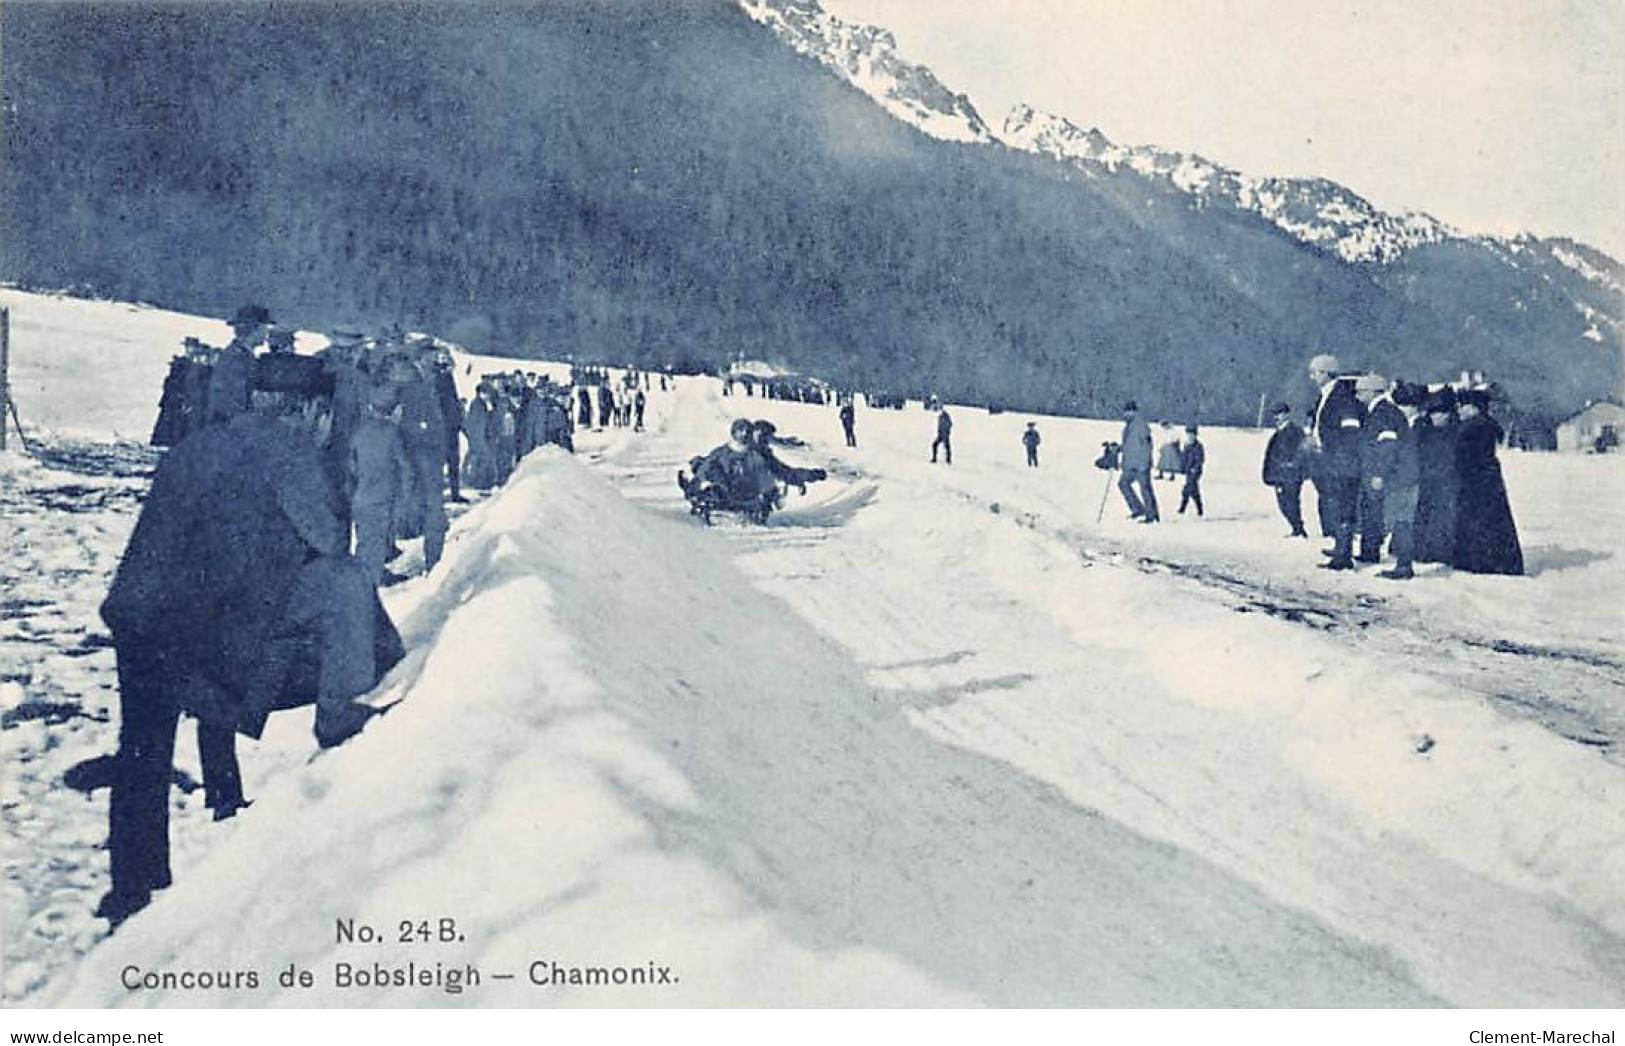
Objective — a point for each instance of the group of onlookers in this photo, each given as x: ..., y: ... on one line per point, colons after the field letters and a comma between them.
x: 1398, y: 462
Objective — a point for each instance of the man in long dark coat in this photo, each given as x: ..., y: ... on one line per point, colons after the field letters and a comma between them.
x: 1382, y: 423
x: 234, y: 597
x: 170, y: 428
x: 1436, y: 501
x: 423, y: 433
x: 1486, y: 537
x: 1389, y: 463
x: 451, y: 417
x: 1283, y: 468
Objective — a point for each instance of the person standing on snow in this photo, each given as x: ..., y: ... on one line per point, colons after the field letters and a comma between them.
x: 945, y: 429
x: 1283, y: 468
x: 1486, y: 537
x: 1030, y: 439
x: 639, y: 401
x: 1382, y: 423
x: 1395, y: 470
x: 1136, y: 466
x: 230, y: 381
x: 1168, y: 456
x: 1192, y: 458
x: 234, y: 597
x: 1436, y: 502
x: 848, y: 420
x: 381, y: 477
x: 1336, y: 435
x: 451, y: 421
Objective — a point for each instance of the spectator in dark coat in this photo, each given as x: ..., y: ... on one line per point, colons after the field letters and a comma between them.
x: 606, y: 406
x: 1436, y: 502
x: 235, y: 597
x: 584, y: 408
x: 1392, y: 467
x: 1192, y: 459
x: 451, y: 418
x: 639, y: 402
x: 170, y: 427
x: 1381, y: 424
x: 1283, y: 468
x: 848, y: 420
x: 480, y: 426
x: 1030, y: 439
x: 945, y: 431
x: 1136, y: 466
x: 1337, y: 456
x: 1486, y: 537
x: 234, y: 368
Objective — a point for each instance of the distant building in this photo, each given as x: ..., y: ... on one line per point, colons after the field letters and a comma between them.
x: 1603, y: 421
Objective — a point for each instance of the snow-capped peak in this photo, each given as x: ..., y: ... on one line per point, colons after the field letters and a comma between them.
x: 866, y: 56
x: 1311, y: 210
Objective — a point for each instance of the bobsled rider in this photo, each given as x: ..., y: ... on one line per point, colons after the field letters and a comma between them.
x: 738, y: 466
x: 762, y: 437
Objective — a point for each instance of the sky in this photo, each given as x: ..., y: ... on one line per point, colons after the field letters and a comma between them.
x: 1497, y: 116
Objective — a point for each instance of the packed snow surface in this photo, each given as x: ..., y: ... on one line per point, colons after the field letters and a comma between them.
x: 933, y: 736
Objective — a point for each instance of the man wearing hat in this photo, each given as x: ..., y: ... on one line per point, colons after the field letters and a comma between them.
x: 945, y: 431
x: 1337, y: 456
x: 232, y: 376
x: 342, y: 359
x: 1136, y: 466
x: 381, y: 476
x: 1192, y: 459
x: 1283, y: 468
x: 1395, y: 469
x: 235, y: 597
x: 423, y: 433
x: 451, y: 420
x: 1381, y: 429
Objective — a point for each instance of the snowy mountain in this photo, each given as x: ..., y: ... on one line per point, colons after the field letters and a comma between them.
x: 867, y: 57
x: 682, y: 184
x: 1576, y: 289
x: 1311, y: 210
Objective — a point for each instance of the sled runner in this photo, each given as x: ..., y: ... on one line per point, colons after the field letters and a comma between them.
x: 706, y: 499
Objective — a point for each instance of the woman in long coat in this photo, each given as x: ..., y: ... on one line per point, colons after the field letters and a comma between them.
x: 1486, y: 538
x: 1436, y: 503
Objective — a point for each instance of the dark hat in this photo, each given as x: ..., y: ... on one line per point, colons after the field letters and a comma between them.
x: 1479, y: 398
x: 1281, y: 408
x: 1191, y: 429
x: 299, y: 375
x: 251, y: 314
x: 1409, y: 394
x: 1130, y: 405
x: 1442, y: 401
